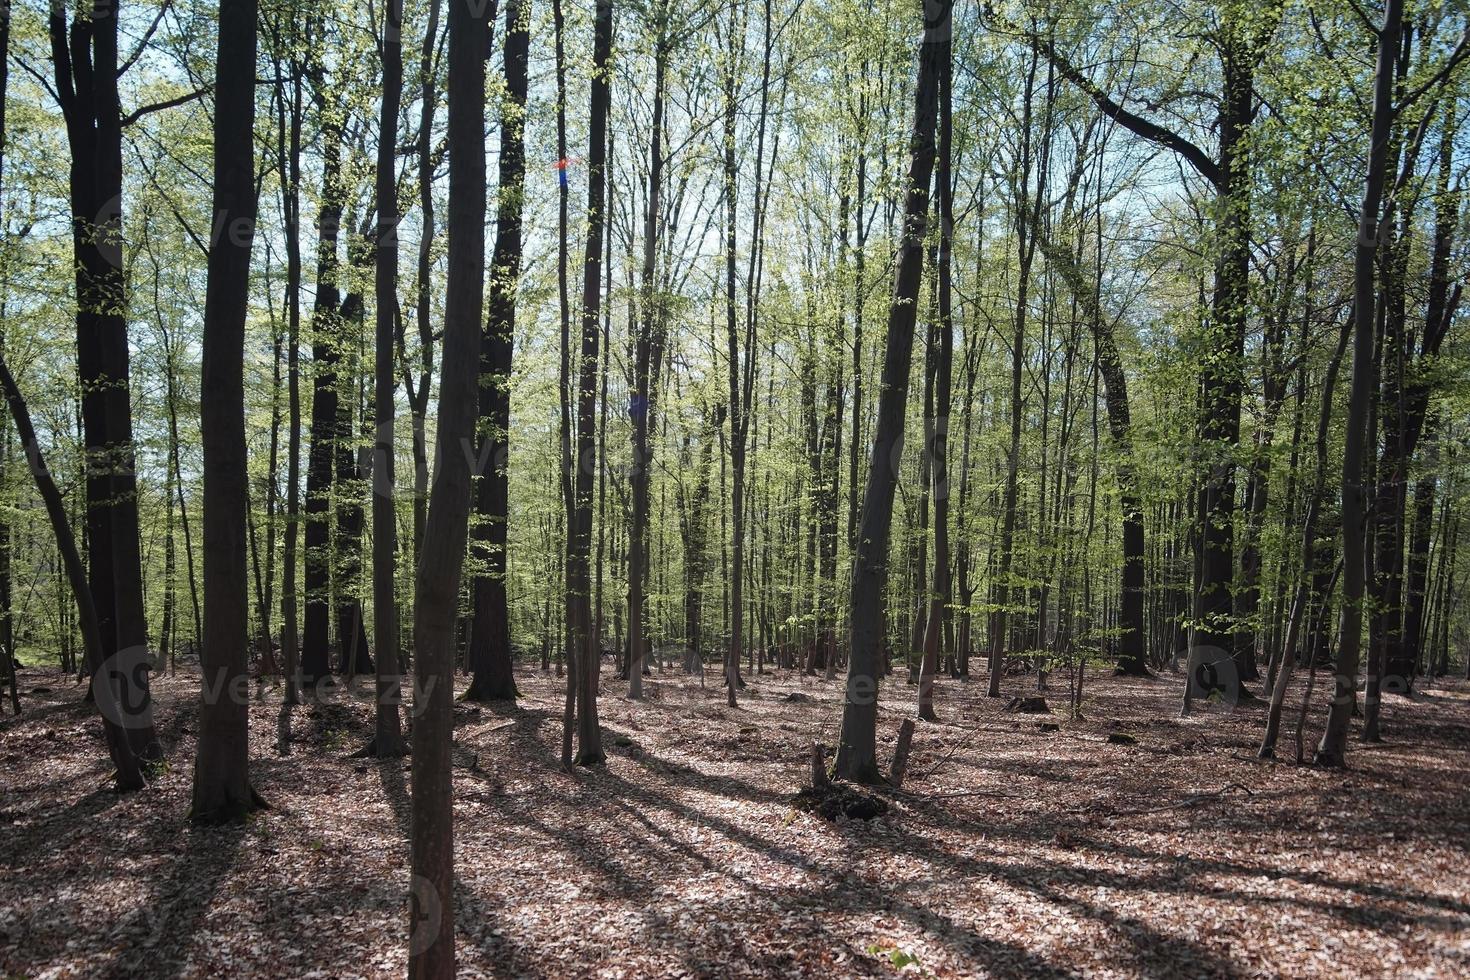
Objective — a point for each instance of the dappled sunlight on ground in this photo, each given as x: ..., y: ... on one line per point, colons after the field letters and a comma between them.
x: 1014, y: 850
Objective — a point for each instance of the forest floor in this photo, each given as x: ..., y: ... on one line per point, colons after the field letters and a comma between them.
x: 1012, y: 852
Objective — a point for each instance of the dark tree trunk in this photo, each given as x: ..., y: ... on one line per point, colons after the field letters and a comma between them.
x: 564, y: 397
x: 944, y: 366
x: 857, y: 751
x: 490, y: 653
x: 387, y: 733
x: 579, y: 579
x: 288, y: 163
x: 222, y: 790
x: 431, y: 941
x: 1332, y: 749
x: 325, y: 354
x: 86, y: 71
x: 7, y: 625
x: 353, y: 658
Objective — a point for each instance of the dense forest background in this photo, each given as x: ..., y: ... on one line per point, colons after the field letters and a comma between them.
x: 888, y: 344
x: 1078, y: 247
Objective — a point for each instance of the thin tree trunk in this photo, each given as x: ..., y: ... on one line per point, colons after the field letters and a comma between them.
x: 1332, y: 749
x: 431, y: 941
x: 939, y: 590
x: 564, y: 395
x: 857, y: 751
x: 222, y: 790
x: 1304, y: 601
x: 289, y: 171
x: 387, y: 731
x: 589, y: 732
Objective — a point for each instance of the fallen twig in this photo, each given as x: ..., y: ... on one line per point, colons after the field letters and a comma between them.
x: 1188, y: 801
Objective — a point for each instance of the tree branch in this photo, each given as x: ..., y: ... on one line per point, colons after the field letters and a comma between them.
x: 179, y: 100
x: 1145, y: 128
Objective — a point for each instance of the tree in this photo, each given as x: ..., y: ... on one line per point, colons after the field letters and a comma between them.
x: 490, y: 650
x: 857, y: 752
x: 86, y: 73
x: 938, y: 446
x: 1240, y: 40
x: 431, y: 949
x: 222, y: 790
x: 579, y: 581
x: 325, y: 429
x: 387, y: 736
x: 1333, y: 748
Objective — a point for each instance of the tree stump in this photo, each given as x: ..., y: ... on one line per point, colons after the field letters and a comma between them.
x: 901, y: 753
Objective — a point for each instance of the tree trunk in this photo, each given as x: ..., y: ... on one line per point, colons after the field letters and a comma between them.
x: 589, y: 732
x: 288, y: 162
x: 490, y: 653
x: 431, y: 939
x: 564, y: 396
x: 944, y: 366
x: 325, y: 354
x: 857, y: 752
x: 387, y: 731
x: 222, y: 790
x: 352, y: 644
x: 1332, y: 749
x: 86, y: 84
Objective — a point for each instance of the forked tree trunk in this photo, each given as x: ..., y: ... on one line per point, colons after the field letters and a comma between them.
x: 86, y: 73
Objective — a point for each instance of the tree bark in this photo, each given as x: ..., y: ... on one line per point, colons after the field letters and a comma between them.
x: 1332, y: 749
x: 387, y: 731
x: 222, y: 790
x: 857, y: 751
x: 589, y: 732
x: 86, y: 71
x: 490, y: 652
x: 431, y: 943
x: 325, y: 354
x: 944, y: 366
